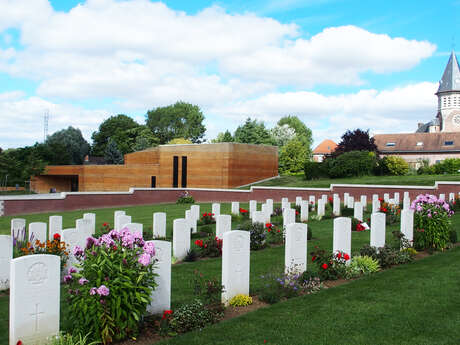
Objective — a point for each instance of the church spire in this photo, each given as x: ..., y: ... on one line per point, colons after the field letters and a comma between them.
x: 451, y: 78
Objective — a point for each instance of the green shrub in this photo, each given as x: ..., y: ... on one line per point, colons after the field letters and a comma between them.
x: 211, y: 246
x: 395, y: 165
x: 108, y: 297
x: 191, y: 256
x: 257, y: 232
x: 331, y: 266
x: 431, y: 221
x: 69, y: 339
x: 240, y: 300
x: 453, y: 236
x: 447, y: 166
x: 425, y: 168
x: 292, y: 156
x: 185, y: 198
x: 353, y: 163
x: 274, y: 234
x: 207, y: 229
x: 362, y: 265
x: 191, y: 316
x: 314, y: 170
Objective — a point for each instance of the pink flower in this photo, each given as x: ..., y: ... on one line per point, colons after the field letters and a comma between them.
x: 103, y: 290
x: 149, y: 248
x: 77, y: 251
x: 144, y: 259
x: 82, y: 281
x: 72, y: 270
x: 92, y: 291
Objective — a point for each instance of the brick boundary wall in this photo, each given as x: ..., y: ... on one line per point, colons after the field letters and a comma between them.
x: 16, y: 205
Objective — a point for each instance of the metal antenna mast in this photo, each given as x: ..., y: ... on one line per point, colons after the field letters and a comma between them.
x: 46, y: 117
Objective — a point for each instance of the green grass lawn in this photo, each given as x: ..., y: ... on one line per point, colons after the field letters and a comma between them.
x: 329, y: 316
x: 299, y: 181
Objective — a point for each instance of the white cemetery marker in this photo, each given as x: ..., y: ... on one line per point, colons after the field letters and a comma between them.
x: 258, y: 217
x: 83, y: 226
x: 407, y: 223
x: 375, y: 206
x: 181, y: 238
x: 235, y: 264
x: 195, y: 211
x: 298, y: 200
x: 378, y: 225
x: 216, y: 209
x: 288, y: 217
x: 324, y: 198
x: 351, y: 202
x: 406, y: 203
x: 191, y: 221
x: 266, y: 212
x: 73, y: 238
x: 451, y: 197
x: 342, y: 235
x: 396, y: 198
x: 17, y: 225
x: 386, y: 197
x: 321, y: 208
x: 55, y: 226
x: 116, y: 214
x: 252, y: 207
x: 161, y: 296
x: 92, y: 218
x: 364, y: 202
x: 235, y: 208
x: 311, y: 201
x: 159, y: 224
x: 375, y: 197
x: 345, y: 199
x: 34, y: 298
x: 223, y: 224
x: 37, y: 231
x: 135, y: 227
x: 122, y: 221
x: 336, y: 205
x: 304, y: 211
x: 442, y: 197
x: 269, y: 202
x: 406, y: 194
x: 358, y: 211
x: 295, y: 255
x: 6, y: 255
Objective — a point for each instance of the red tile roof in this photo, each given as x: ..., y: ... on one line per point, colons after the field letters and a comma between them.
x: 326, y: 147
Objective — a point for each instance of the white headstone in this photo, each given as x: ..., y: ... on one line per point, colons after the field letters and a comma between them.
x: 345, y: 199
x: 378, y: 226
x: 92, y: 218
x: 161, y: 296
x: 336, y: 205
x: 223, y: 224
x: 122, y: 221
x: 351, y: 201
x: 266, y: 212
x: 37, y: 231
x: 406, y: 203
x: 451, y: 197
x: 295, y: 256
x: 386, y: 197
x: 235, y: 208
x: 406, y: 195
x: 159, y: 224
x: 235, y: 264
x: 17, y: 225
x: 442, y: 196
x: 321, y: 208
x: 269, y: 203
x: 375, y: 197
x: 195, y: 212
x: 73, y: 238
x: 252, y: 207
x: 407, y: 223
x: 342, y: 235
x: 375, y: 206
x: 6, y: 255
x: 324, y: 198
x: 55, y: 226
x: 396, y: 198
x: 358, y: 211
x: 216, y: 209
x: 304, y: 211
x: 135, y: 227
x: 116, y: 214
x: 298, y: 200
x: 84, y: 226
x: 285, y: 203
x: 181, y: 238
x: 311, y: 201
x: 258, y: 217
x: 34, y: 298
x: 191, y: 221
x: 288, y: 217
x: 364, y: 202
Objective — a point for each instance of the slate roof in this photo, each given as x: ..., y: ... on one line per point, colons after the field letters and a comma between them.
x: 418, y: 142
x: 451, y: 78
x: 325, y: 148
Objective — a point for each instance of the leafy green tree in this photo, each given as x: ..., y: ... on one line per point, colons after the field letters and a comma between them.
x: 253, y: 132
x: 73, y: 141
x: 121, y: 128
x: 178, y: 141
x: 282, y: 134
x: 225, y: 137
x: 112, y: 155
x: 180, y: 120
x: 292, y: 157
x: 144, y: 138
x: 302, y: 132
x: 18, y: 165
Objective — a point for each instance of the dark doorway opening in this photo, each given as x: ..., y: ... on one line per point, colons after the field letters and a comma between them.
x: 175, y: 183
x: 154, y: 182
x: 184, y: 172
x: 74, y: 184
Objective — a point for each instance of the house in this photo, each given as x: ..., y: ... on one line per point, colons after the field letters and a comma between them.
x: 323, y: 149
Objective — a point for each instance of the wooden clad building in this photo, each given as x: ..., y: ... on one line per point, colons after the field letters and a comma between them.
x: 221, y: 165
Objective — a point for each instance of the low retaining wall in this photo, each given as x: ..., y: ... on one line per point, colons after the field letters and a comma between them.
x: 25, y: 204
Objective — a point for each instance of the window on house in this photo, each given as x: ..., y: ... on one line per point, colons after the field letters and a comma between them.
x: 391, y: 144
x: 448, y: 143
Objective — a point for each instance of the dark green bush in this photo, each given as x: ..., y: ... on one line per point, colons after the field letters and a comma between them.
x: 192, y: 255
x: 314, y: 170
x: 257, y: 232
x: 353, y: 163
x: 191, y: 316
x: 453, y: 236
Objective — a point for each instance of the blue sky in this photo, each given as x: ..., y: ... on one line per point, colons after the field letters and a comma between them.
x: 336, y: 64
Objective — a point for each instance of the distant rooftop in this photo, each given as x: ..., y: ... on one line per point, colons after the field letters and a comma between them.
x: 325, y: 148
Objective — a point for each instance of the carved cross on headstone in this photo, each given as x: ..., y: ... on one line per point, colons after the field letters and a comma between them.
x: 36, y: 315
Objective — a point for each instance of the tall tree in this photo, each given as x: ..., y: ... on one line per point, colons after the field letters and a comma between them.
x: 120, y: 129
x: 302, y: 132
x: 357, y: 140
x: 292, y: 156
x: 253, y: 132
x: 112, y: 155
x: 180, y: 120
x: 73, y: 141
x: 225, y: 137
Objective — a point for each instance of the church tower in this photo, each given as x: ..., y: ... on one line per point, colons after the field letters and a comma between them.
x: 449, y: 97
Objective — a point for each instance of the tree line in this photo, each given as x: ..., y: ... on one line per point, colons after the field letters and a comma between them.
x: 173, y: 124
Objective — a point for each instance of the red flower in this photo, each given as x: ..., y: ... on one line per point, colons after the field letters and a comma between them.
x: 199, y: 243
x: 324, y: 266
x: 268, y: 225
x: 278, y: 231
x: 19, y: 342
x: 384, y: 209
x: 380, y: 199
x: 57, y: 237
x: 114, y: 248
x: 296, y: 213
x: 205, y: 214
x: 269, y: 229
x: 339, y: 255
x: 330, y: 199
x: 105, y: 224
x: 166, y: 314
x: 313, y: 258
x: 346, y: 257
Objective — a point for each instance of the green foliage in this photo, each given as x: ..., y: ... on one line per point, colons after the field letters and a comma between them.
x: 211, y: 246
x: 108, y: 297
x: 179, y: 141
x: 191, y: 255
x: 257, y: 233
x: 144, y: 139
x: 192, y: 316
x: 112, y: 155
x: 274, y: 234
x: 388, y: 255
x: 453, y: 236
x: 18, y: 165
x: 362, y: 265
x: 240, y: 300
x: 180, y: 120
x: 353, y: 163
x: 123, y: 130
x: 431, y: 222
x: 225, y: 137
x: 69, y: 339
x: 73, y: 141
x: 314, y: 170
x: 292, y: 156
x: 302, y: 132
x: 331, y: 266
x: 394, y: 165
x: 185, y: 198
x: 447, y: 166
x: 253, y: 132
x: 282, y: 134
